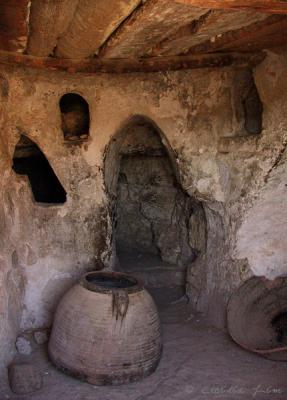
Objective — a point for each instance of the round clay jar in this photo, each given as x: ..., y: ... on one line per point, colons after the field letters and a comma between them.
x: 106, y: 330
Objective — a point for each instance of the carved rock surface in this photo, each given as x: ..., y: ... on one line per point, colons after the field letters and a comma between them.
x: 23, y: 345
x: 106, y: 330
x: 41, y: 337
x: 24, y: 378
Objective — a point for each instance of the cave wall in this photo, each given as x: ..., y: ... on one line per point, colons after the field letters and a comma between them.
x: 152, y: 211
x: 262, y: 237
x: 11, y: 277
x: 44, y: 249
x: 245, y: 225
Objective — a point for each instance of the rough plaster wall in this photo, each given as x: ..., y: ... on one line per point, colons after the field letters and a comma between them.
x: 248, y: 163
x: 11, y: 277
x: 54, y: 245
x: 262, y: 238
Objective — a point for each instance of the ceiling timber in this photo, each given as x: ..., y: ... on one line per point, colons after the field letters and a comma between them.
x: 261, y: 35
x: 267, y: 6
x: 135, y: 34
x: 216, y: 22
x: 13, y: 24
x: 127, y: 65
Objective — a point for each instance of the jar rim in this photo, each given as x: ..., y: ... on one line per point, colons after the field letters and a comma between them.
x: 110, y: 281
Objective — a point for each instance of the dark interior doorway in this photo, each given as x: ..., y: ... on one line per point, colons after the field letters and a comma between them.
x: 154, y: 224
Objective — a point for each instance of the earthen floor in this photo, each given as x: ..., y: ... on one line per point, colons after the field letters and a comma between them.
x: 199, y: 362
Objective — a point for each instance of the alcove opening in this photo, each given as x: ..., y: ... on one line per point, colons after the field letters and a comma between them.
x: 158, y: 228
x: 75, y: 117
x: 279, y: 323
x: 29, y: 160
x: 247, y: 104
x: 253, y: 109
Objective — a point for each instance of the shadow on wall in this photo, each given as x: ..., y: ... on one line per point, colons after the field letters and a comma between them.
x: 29, y: 160
x: 154, y: 220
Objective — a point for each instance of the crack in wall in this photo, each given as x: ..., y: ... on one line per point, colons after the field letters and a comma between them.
x: 277, y: 161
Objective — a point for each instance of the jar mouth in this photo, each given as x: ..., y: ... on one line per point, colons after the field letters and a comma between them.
x: 279, y: 324
x: 109, y: 281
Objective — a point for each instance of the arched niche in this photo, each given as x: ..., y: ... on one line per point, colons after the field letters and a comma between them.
x: 247, y: 104
x: 29, y: 160
x: 75, y: 117
x: 114, y: 150
x: 253, y: 108
x: 157, y: 226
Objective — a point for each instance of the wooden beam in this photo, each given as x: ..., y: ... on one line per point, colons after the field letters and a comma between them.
x: 93, y: 22
x: 265, y: 34
x: 14, y: 24
x: 147, y: 64
x: 215, y: 22
x: 45, y: 14
x: 147, y: 26
x: 265, y: 6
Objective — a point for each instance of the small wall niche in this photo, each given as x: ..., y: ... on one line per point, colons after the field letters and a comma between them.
x: 247, y: 104
x: 253, y: 110
x: 75, y: 117
x: 29, y: 160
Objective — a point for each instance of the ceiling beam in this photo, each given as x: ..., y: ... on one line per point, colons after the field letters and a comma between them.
x: 215, y: 22
x: 93, y: 23
x: 265, y: 6
x: 14, y: 24
x: 265, y: 34
x: 147, y: 64
x: 45, y: 14
x: 147, y: 26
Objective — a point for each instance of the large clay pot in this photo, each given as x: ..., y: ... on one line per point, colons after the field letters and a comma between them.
x: 106, y: 330
x: 257, y: 317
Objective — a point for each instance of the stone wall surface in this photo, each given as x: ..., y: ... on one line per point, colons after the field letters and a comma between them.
x: 262, y: 238
x: 45, y: 248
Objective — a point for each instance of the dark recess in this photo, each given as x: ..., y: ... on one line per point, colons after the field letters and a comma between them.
x: 111, y: 281
x: 75, y: 117
x: 29, y: 160
x: 253, y: 110
x: 279, y: 323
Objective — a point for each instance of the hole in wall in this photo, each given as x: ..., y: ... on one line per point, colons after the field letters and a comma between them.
x: 75, y: 117
x: 29, y: 160
x: 247, y: 103
x: 279, y: 323
x: 253, y: 109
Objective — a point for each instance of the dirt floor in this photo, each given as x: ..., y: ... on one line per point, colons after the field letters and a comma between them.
x: 198, y: 363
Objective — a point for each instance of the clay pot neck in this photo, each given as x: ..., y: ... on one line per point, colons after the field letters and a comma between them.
x: 109, y: 282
